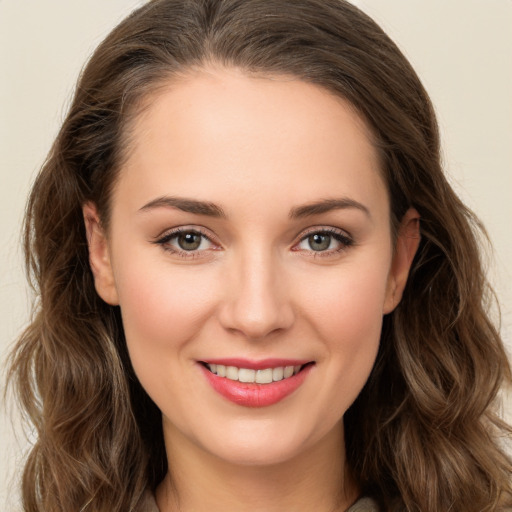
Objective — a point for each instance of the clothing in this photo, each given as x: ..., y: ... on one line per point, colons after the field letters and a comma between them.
x: 362, y: 505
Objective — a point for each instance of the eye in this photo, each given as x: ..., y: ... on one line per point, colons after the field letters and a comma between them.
x: 189, y: 241
x: 325, y: 241
x: 186, y: 242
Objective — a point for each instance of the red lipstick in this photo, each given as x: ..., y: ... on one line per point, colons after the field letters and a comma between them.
x: 257, y: 365
x: 253, y: 394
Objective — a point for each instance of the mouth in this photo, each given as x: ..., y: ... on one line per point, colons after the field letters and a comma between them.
x: 255, y: 376
x: 252, y: 384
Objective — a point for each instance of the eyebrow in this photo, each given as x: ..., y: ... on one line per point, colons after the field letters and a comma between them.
x: 186, y: 205
x: 327, y: 205
x: 212, y: 210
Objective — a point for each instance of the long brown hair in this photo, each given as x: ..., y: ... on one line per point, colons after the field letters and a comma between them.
x: 423, y: 435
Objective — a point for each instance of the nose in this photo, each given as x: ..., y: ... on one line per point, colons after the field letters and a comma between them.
x: 256, y: 299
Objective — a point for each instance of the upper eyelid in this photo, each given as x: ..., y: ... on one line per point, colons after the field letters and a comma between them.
x: 170, y: 232
x: 324, y: 229
x: 185, y: 229
x: 207, y: 233
x: 339, y: 234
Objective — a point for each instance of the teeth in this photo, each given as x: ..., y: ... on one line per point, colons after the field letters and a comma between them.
x: 265, y: 376
x: 288, y: 371
x: 245, y: 375
x: 277, y: 374
x: 232, y: 372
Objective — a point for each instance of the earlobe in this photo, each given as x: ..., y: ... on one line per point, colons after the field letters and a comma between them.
x: 99, y: 255
x: 406, y: 246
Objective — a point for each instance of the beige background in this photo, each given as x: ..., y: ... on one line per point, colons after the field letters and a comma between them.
x: 462, y: 50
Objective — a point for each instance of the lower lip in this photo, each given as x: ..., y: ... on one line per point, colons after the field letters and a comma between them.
x: 255, y: 395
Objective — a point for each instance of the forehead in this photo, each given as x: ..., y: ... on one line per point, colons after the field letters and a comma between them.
x: 220, y: 134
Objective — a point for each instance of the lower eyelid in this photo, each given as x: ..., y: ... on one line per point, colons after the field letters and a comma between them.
x: 163, y: 240
x: 337, y: 235
x: 342, y: 238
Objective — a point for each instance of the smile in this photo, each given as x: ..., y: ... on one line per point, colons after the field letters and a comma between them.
x: 256, y: 384
x: 249, y: 375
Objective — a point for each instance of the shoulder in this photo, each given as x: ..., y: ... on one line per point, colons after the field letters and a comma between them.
x: 364, y: 505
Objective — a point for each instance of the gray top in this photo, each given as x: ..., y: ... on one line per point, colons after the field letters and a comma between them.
x: 362, y: 505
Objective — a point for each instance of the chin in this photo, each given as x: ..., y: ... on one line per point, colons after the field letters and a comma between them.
x: 266, y: 443
x: 255, y: 455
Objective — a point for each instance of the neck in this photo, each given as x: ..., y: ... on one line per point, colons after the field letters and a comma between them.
x: 198, y: 481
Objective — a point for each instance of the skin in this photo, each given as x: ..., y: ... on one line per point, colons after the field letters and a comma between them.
x: 258, y: 148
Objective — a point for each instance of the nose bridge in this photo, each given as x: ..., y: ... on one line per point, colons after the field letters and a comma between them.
x: 257, y: 301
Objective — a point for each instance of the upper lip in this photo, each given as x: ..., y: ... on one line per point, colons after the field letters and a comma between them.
x: 260, y: 364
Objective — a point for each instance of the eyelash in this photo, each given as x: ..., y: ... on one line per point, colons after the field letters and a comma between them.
x: 344, y: 239
x: 164, y: 242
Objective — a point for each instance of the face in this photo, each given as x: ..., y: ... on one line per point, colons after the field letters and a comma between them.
x: 250, y: 252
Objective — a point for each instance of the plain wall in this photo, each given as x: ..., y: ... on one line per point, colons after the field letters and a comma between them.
x: 462, y: 50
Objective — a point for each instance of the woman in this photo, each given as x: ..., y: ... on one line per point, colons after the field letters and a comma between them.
x: 257, y: 289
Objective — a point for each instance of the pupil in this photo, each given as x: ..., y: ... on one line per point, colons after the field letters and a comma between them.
x: 189, y: 241
x: 319, y: 242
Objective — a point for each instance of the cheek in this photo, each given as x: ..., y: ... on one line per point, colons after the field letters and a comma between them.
x: 348, y: 303
x: 346, y: 313
x: 162, y: 307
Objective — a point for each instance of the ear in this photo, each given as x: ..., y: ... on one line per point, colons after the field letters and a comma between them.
x: 407, y: 243
x: 99, y: 255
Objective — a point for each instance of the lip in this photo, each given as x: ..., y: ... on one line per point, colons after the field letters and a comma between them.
x: 256, y: 395
x: 258, y: 365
